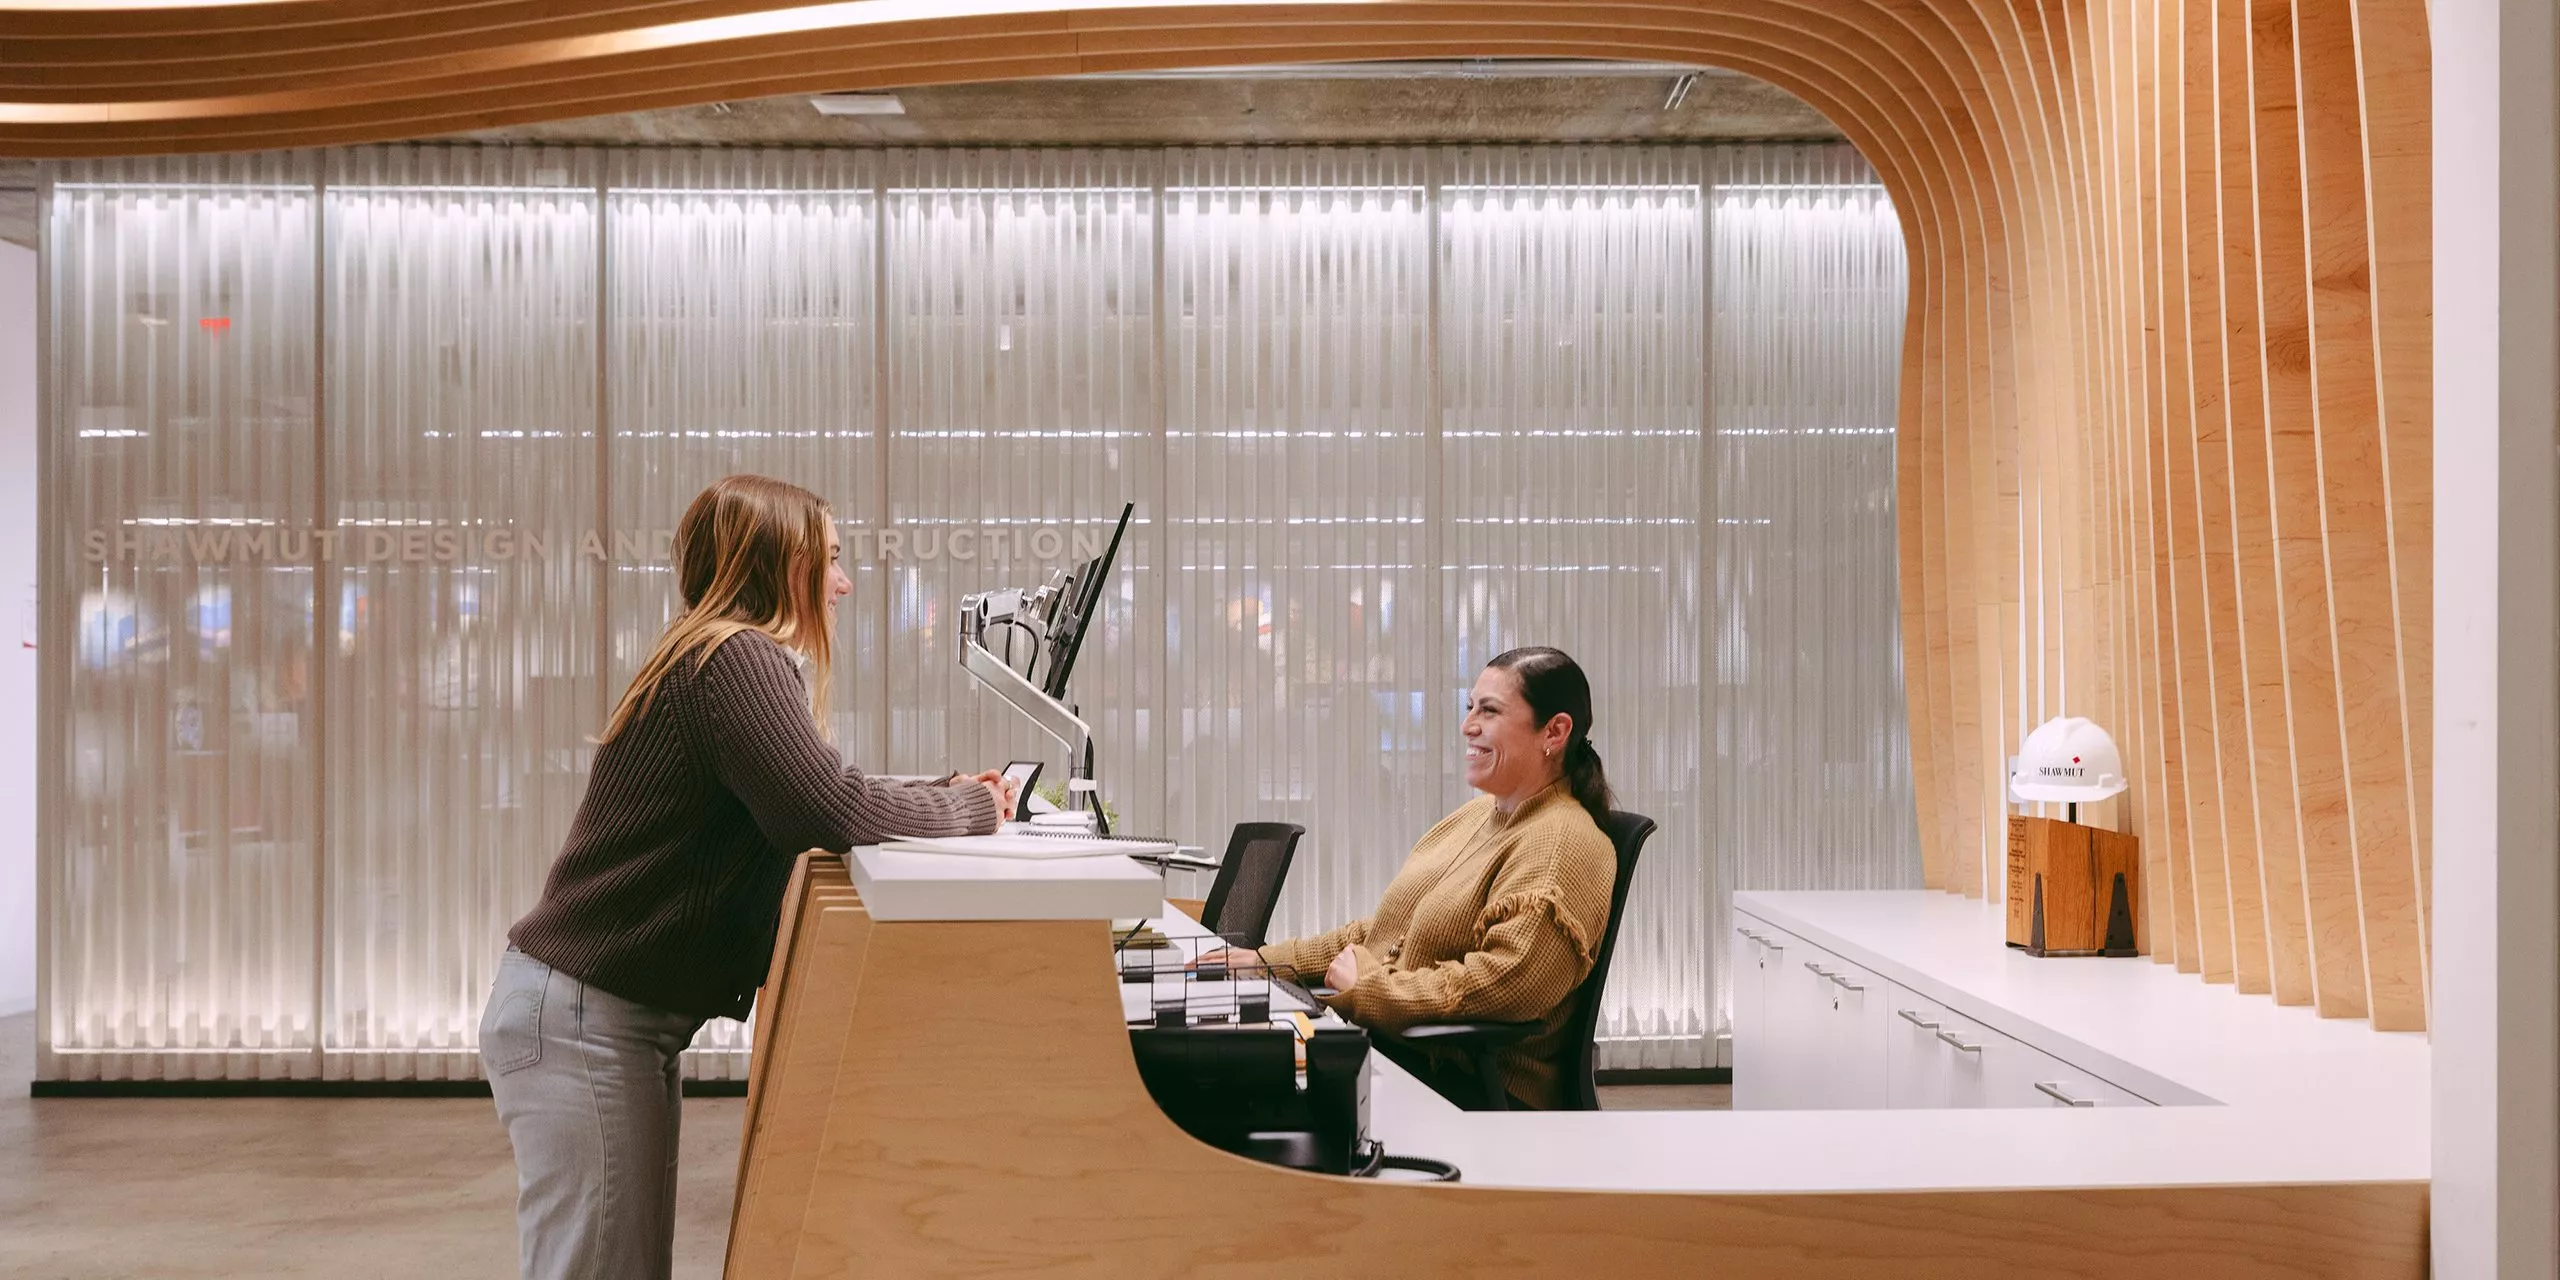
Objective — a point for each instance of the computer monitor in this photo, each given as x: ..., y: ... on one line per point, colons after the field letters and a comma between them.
x: 1084, y: 587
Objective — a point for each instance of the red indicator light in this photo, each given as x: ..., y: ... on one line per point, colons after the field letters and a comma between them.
x: 214, y: 324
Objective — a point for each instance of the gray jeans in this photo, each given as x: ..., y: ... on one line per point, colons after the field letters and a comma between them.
x: 587, y: 1086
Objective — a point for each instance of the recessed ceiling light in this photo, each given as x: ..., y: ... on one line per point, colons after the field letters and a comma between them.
x: 858, y: 104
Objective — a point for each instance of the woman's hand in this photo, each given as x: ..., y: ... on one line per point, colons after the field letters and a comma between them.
x: 996, y: 783
x: 1232, y: 959
x: 1344, y: 971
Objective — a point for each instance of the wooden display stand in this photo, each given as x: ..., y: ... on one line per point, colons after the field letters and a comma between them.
x: 958, y: 1098
x: 2074, y: 890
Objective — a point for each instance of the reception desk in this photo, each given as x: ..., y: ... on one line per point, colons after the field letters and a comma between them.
x: 949, y: 1091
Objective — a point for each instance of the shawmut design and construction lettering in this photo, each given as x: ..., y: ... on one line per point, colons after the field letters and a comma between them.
x: 217, y: 540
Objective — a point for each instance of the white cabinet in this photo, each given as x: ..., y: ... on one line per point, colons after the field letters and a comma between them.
x: 1971, y: 1059
x: 1793, y: 1003
x: 1917, y: 1071
x: 1776, y: 1041
x: 1848, y: 1010
x: 2031, y: 1077
x: 1752, y: 1073
x: 1980, y: 1067
x: 1808, y: 1027
x: 1812, y: 1031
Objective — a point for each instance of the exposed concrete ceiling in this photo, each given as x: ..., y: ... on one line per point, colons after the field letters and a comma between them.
x: 1541, y: 101
x: 1280, y: 105
x: 18, y: 202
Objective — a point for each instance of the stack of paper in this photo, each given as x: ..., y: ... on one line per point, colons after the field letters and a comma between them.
x: 1027, y: 846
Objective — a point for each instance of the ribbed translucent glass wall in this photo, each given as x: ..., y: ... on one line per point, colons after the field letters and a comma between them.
x: 1021, y: 393
x: 1572, y: 341
x: 740, y: 289
x: 180, y: 810
x: 459, y: 366
x: 1810, y: 785
x: 1302, y: 603
x: 1384, y: 412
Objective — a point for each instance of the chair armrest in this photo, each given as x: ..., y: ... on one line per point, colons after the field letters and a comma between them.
x: 1466, y: 1035
x: 1479, y: 1042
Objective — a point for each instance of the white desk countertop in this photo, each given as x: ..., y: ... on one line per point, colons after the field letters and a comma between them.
x: 2303, y: 1100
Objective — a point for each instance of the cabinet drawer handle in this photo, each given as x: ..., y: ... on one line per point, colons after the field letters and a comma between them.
x: 2054, y: 1091
x: 1843, y: 983
x: 1950, y: 1038
x: 1818, y: 970
x: 1913, y: 1017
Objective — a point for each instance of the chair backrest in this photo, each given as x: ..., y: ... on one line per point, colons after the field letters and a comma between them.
x: 1627, y: 833
x: 1247, y: 889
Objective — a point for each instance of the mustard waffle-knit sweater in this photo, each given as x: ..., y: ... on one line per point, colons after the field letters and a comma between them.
x: 1492, y: 918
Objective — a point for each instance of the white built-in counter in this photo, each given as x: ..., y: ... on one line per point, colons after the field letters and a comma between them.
x: 2218, y: 1087
x: 2165, y: 1037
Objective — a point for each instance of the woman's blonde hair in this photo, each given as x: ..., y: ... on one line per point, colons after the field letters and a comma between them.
x: 751, y: 555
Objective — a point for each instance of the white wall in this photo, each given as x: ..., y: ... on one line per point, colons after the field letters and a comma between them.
x: 2497, y: 678
x: 17, y: 661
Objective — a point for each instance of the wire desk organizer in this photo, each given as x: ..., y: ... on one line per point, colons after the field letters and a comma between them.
x: 1182, y: 994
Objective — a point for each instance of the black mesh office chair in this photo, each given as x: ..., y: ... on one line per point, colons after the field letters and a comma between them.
x: 1483, y: 1042
x: 1247, y: 890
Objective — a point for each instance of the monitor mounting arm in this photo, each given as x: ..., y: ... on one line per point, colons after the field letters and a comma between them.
x: 1054, y: 718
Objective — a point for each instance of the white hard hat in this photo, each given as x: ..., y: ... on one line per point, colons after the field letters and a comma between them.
x: 2070, y: 760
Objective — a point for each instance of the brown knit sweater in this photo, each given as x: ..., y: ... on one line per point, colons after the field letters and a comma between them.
x: 670, y: 886
x: 1490, y: 919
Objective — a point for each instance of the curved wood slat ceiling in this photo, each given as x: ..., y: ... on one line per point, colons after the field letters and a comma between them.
x: 2165, y: 437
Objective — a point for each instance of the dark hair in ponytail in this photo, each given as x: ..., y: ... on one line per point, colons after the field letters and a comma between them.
x: 1552, y: 683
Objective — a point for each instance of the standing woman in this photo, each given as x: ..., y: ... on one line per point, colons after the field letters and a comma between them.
x: 714, y: 774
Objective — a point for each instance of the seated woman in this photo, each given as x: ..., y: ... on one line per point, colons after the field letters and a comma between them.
x: 1498, y: 911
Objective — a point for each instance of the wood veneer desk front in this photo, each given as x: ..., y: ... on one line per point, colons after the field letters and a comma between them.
x: 956, y: 1097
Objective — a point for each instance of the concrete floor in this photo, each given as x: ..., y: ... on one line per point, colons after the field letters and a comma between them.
x: 1666, y: 1097
x: 180, y: 1188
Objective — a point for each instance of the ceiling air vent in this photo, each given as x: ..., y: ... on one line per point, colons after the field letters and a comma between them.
x: 858, y: 104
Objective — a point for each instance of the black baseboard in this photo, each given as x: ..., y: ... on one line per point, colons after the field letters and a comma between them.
x: 1666, y: 1075
x: 313, y: 1089
x: 480, y: 1088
